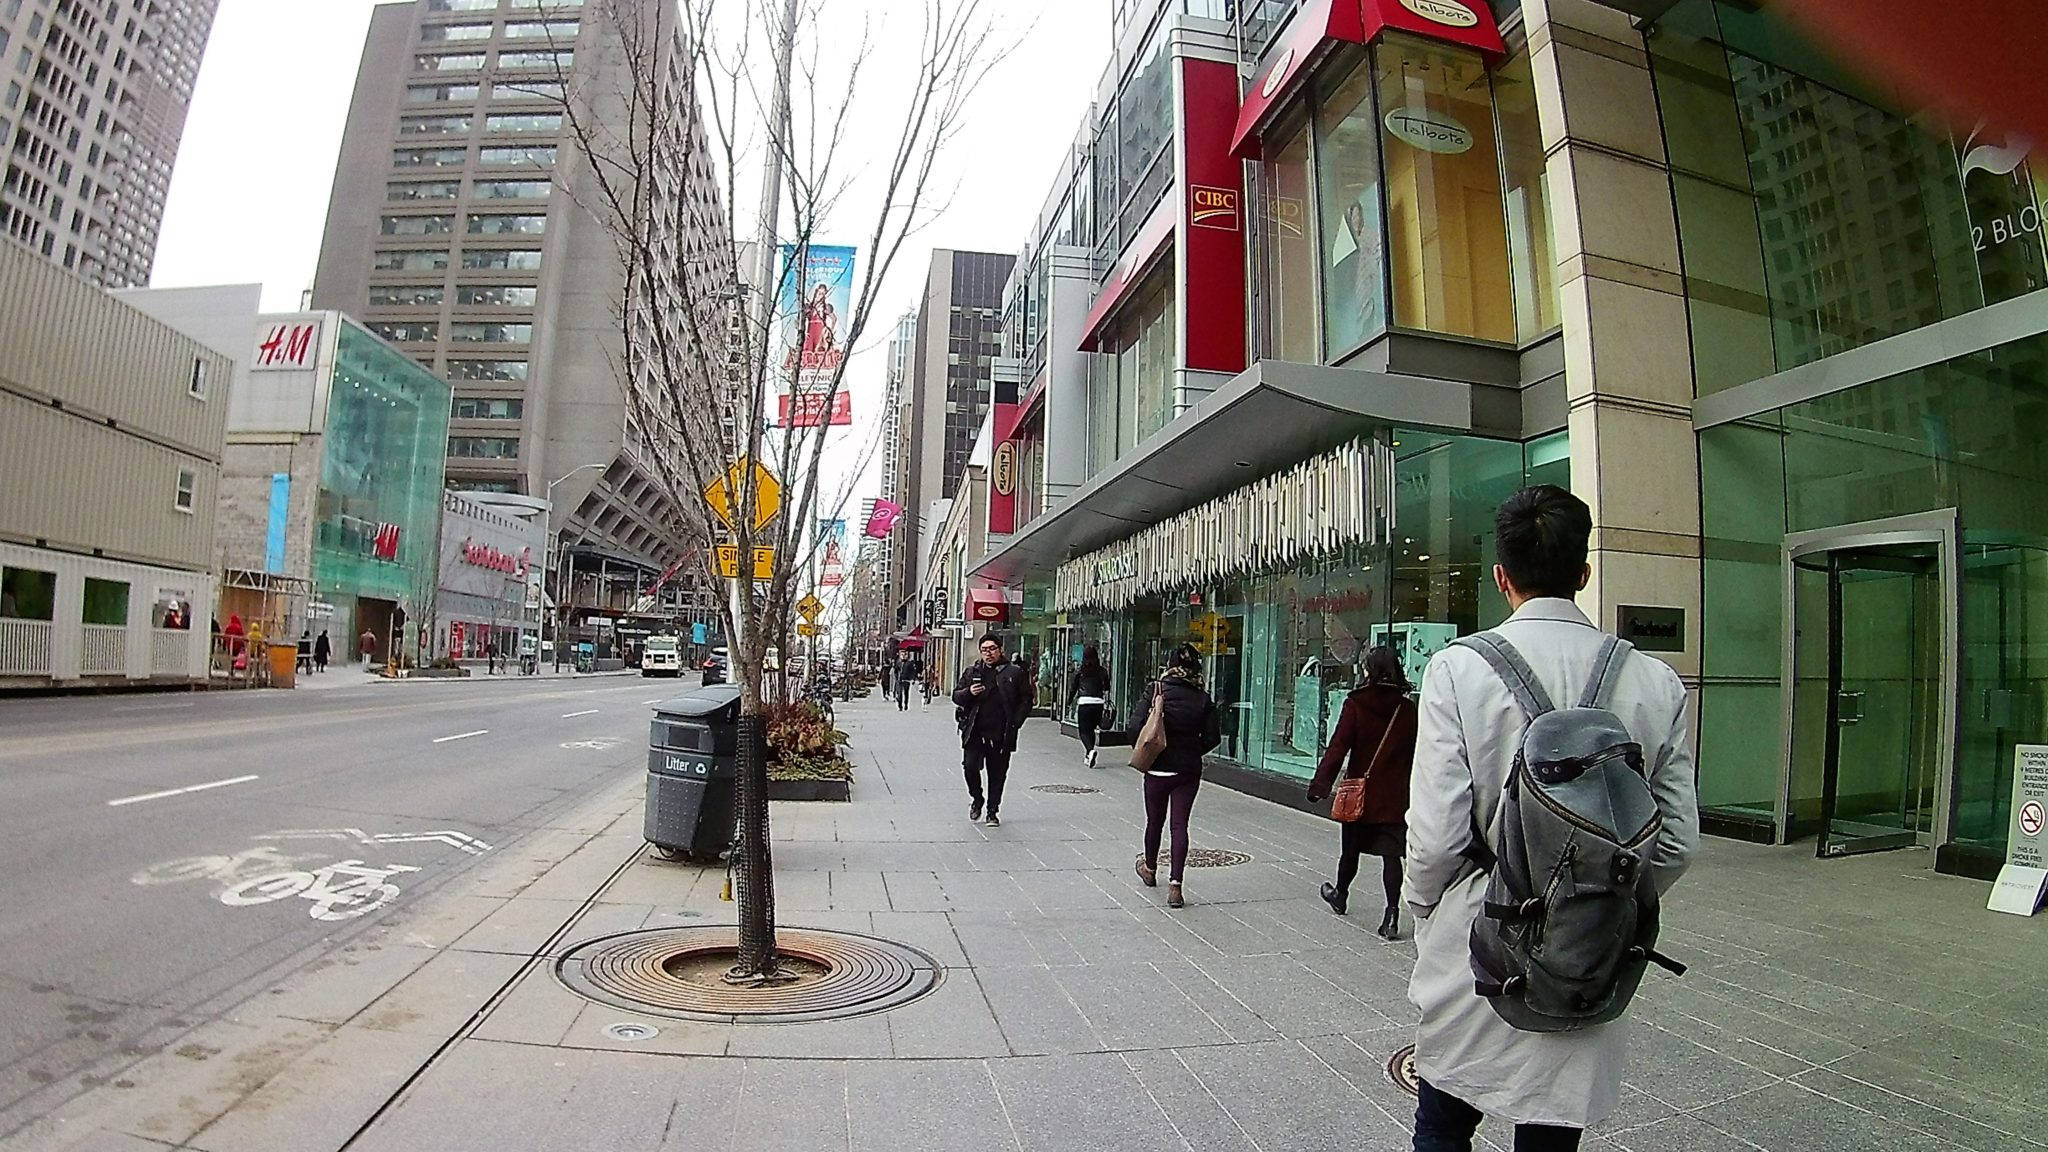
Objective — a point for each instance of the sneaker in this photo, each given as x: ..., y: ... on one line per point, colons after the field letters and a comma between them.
x: 994, y: 821
x: 974, y: 810
x: 1091, y: 758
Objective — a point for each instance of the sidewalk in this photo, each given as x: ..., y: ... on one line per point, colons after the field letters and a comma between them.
x: 1842, y: 1005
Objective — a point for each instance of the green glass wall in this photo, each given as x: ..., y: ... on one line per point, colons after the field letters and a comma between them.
x: 385, y: 443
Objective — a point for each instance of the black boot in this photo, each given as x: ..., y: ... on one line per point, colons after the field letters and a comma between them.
x: 1334, y: 898
x: 1390, y: 925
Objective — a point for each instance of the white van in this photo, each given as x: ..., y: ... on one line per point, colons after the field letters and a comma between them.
x: 661, y: 656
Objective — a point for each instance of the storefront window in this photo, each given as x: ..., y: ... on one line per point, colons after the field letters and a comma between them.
x: 1446, y: 231
x: 1526, y: 196
x: 1156, y: 356
x: 1145, y: 118
x: 1102, y: 411
x: 1348, y: 197
x: 1289, y: 265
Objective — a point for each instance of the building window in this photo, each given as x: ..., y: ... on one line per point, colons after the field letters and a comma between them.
x: 497, y: 225
x: 417, y: 225
x: 527, y: 90
x: 1448, y: 236
x: 524, y: 122
x: 549, y: 60
x: 511, y: 189
x: 28, y: 594
x: 497, y: 295
x: 1348, y: 215
x: 549, y: 29
x: 487, y: 370
x: 452, y: 62
x: 487, y: 408
x: 1527, y: 193
x: 436, y: 33
x: 185, y: 496
x: 537, y: 156
x: 512, y: 259
x: 462, y: 5
x: 441, y: 93
x: 196, y: 386
x: 484, y: 447
x: 411, y: 261
x: 1288, y: 259
x: 404, y: 295
x: 424, y: 190
x: 434, y: 126
x: 486, y: 333
x: 429, y: 157
x: 406, y: 331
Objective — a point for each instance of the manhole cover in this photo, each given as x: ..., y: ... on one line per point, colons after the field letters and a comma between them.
x: 1401, y: 1070
x: 1065, y: 789
x: 676, y: 972
x: 625, y: 1031
x: 1216, y: 857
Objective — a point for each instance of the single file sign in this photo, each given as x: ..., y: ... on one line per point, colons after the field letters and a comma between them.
x: 2024, y: 879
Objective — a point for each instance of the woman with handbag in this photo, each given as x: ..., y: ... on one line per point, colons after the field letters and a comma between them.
x: 1374, y: 746
x: 1175, y: 725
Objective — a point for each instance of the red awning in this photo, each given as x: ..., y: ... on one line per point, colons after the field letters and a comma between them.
x: 1321, y: 25
x: 914, y: 639
x: 1154, y: 237
x: 989, y: 606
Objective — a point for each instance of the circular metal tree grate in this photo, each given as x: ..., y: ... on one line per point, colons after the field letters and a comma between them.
x: 676, y: 972
x: 1065, y: 789
x: 1401, y: 1070
x: 1216, y: 857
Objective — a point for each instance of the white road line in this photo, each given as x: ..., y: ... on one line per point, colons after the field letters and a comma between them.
x: 153, y: 707
x: 460, y: 736
x: 656, y: 700
x: 573, y: 715
x: 178, y: 791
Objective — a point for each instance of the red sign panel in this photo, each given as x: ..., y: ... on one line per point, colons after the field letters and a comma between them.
x: 1213, y: 207
x: 809, y: 411
x: 1002, y: 486
x: 1214, y: 295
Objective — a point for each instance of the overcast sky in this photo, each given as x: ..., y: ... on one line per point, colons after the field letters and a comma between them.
x: 249, y: 196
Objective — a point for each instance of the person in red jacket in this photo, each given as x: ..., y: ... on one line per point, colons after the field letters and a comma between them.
x: 1374, y: 741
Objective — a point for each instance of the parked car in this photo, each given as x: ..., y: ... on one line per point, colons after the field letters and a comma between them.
x: 717, y: 669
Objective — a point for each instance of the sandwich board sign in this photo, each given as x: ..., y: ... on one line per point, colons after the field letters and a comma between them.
x: 2024, y: 879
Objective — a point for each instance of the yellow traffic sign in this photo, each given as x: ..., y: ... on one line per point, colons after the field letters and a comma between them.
x: 809, y: 630
x: 725, y: 493
x: 809, y: 607
x: 729, y: 562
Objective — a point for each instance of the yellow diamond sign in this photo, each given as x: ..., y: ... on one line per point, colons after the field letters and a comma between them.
x: 809, y: 607
x: 727, y: 493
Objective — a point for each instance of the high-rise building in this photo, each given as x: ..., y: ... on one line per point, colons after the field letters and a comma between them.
x: 92, y: 107
x: 466, y: 226
x: 951, y: 374
x: 891, y: 560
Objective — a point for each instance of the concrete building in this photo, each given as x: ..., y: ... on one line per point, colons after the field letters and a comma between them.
x: 950, y: 373
x: 112, y: 426
x: 1781, y: 332
x: 490, y: 580
x: 462, y: 228
x: 92, y: 108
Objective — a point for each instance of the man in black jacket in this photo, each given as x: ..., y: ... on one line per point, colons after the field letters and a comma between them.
x: 991, y: 696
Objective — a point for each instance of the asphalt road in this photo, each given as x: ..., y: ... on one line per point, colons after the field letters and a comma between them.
x: 132, y: 908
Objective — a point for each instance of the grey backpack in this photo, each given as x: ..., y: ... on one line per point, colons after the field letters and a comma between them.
x: 1570, y: 921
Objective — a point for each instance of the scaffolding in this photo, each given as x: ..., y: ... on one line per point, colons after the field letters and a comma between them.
x: 277, y: 608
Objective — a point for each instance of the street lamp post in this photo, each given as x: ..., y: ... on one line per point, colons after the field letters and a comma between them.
x: 547, y: 516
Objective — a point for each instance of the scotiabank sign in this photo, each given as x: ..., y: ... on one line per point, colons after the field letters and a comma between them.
x: 485, y: 556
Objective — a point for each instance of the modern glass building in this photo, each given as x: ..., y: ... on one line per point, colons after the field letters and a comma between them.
x: 1289, y: 339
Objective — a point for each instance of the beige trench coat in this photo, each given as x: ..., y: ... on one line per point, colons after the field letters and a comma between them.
x: 1470, y: 726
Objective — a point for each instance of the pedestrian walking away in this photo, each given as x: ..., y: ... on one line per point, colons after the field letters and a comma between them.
x: 1372, y: 751
x: 322, y: 649
x: 1091, y: 694
x: 1192, y: 729
x: 367, y: 645
x: 906, y: 671
x: 930, y: 679
x: 1475, y: 711
x: 991, y: 706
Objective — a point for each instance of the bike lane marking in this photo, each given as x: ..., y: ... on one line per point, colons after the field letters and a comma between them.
x: 460, y: 736
x: 179, y: 791
x: 573, y: 715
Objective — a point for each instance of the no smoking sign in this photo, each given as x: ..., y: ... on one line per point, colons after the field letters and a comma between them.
x: 2031, y: 818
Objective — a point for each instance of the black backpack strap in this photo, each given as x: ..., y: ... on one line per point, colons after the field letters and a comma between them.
x: 1512, y: 670
x: 1606, y: 670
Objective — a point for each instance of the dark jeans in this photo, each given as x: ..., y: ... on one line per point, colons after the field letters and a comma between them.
x: 1089, y: 716
x: 989, y: 751
x: 1168, y: 800
x: 902, y: 695
x: 1444, y: 1123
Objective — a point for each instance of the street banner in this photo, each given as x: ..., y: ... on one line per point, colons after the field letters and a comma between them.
x: 832, y: 572
x: 817, y: 300
x: 883, y: 518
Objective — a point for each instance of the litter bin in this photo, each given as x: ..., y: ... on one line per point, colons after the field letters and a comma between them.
x: 693, y: 774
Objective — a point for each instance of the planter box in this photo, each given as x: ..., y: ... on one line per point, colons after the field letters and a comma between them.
x: 810, y: 789
x: 437, y: 673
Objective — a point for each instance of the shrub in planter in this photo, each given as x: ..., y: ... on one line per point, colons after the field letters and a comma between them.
x: 803, y: 744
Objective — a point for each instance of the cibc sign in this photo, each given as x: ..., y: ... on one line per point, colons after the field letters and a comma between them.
x: 1212, y: 207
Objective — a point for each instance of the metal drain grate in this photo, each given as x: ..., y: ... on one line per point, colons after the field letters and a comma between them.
x: 1216, y: 858
x: 673, y: 972
x: 1401, y: 1070
x: 1065, y: 789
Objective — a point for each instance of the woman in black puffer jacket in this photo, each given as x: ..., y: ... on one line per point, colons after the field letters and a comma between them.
x: 1193, y: 729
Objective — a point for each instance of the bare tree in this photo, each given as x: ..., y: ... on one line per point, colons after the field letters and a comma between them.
x: 660, y: 141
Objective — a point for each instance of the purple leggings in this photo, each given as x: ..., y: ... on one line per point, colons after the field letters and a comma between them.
x: 1175, y: 796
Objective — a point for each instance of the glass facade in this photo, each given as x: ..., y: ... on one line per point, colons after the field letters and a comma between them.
x: 1130, y: 376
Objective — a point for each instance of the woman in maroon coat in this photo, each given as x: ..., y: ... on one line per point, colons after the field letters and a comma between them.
x: 1375, y: 739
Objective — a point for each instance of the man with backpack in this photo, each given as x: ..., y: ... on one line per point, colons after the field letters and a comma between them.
x: 1519, y: 800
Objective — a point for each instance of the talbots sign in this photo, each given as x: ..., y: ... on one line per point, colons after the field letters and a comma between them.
x: 1429, y: 130
x: 1449, y: 13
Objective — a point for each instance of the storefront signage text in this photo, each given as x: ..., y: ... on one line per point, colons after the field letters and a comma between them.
x: 1429, y: 130
x: 289, y: 344
x: 485, y: 556
x: 1449, y: 13
x: 1316, y: 508
x: 1213, y: 207
x: 1004, y: 474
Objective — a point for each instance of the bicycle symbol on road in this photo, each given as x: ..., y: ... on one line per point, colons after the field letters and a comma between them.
x: 340, y: 891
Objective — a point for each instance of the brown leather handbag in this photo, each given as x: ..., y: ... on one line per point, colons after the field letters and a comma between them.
x: 1348, y: 804
x: 1151, y: 739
